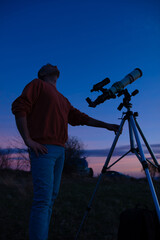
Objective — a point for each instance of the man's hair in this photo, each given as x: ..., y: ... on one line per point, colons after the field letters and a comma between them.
x: 48, y: 70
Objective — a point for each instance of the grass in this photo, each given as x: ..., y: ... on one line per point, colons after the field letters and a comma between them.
x: 113, y: 196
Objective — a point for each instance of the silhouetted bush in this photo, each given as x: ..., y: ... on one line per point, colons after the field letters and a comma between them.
x: 74, y: 159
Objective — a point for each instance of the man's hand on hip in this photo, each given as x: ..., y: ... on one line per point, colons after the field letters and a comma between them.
x: 36, y: 147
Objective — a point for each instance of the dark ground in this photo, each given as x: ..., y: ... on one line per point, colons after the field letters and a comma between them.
x: 113, y: 196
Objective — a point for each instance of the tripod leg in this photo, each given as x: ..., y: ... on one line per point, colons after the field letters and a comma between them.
x: 145, y: 167
x: 147, y: 145
x: 88, y: 207
x: 113, y: 145
x: 100, y: 177
x: 131, y: 135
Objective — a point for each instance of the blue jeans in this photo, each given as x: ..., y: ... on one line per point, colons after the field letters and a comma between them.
x: 46, y: 175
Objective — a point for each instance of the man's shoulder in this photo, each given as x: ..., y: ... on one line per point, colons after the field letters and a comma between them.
x: 34, y: 82
x: 63, y: 97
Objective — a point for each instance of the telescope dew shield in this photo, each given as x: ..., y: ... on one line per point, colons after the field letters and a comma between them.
x: 131, y: 77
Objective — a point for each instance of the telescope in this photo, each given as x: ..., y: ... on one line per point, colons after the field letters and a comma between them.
x: 116, y: 88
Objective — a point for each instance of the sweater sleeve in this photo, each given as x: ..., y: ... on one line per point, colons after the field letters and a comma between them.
x: 22, y: 106
x: 77, y: 118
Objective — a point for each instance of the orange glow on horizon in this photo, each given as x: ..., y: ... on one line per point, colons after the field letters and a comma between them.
x: 129, y: 165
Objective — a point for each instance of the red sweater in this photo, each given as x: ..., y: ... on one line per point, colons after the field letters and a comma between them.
x: 48, y: 113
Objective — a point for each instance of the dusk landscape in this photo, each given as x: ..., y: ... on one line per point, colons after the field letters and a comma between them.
x: 88, y: 41
x: 110, y: 40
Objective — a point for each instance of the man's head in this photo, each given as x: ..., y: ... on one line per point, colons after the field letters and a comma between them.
x: 48, y: 71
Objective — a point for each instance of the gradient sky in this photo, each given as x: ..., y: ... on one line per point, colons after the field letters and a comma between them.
x: 88, y: 41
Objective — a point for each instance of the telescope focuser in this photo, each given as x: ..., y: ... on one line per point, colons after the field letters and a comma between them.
x: 102, y: 98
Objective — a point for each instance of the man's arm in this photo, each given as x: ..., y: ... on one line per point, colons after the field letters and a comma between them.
x: 79, y: 118
x: 96, y: 123
x: 21, y: 123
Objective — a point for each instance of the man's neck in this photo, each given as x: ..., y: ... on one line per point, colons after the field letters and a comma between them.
x: 53, y: 83
x: 52, y: 80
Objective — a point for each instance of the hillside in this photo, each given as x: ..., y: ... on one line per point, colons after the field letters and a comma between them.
x: 114, y: 195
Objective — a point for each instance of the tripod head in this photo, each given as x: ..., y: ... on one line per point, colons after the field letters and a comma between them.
x: 127, y: 98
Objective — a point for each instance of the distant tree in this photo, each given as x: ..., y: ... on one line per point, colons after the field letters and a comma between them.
x: 152, y: 169
x: 4, y: 158
x: 74, y: 158
x: 15, y: 156
x: 22, y: 161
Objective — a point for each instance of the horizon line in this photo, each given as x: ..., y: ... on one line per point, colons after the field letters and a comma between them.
x: 119, y: 150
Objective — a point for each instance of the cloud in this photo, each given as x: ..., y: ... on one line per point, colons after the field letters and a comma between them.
x: 6, y: 151
x: 119, y: 151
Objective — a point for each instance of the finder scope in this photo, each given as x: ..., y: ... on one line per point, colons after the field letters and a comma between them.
x: 100, y: 85
x: 116, y: 88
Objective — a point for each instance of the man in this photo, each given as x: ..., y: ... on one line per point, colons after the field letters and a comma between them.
x: 42, y: 115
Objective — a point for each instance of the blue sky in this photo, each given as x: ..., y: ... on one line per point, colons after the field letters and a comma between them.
x: 88, y: 41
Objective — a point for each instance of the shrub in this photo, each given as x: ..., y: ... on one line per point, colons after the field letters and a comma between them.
x: 73, y: 156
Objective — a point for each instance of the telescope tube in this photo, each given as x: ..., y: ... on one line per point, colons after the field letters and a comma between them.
x: 131, y: 77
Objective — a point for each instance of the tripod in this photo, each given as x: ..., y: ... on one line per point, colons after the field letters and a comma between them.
x: 138, y: 151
